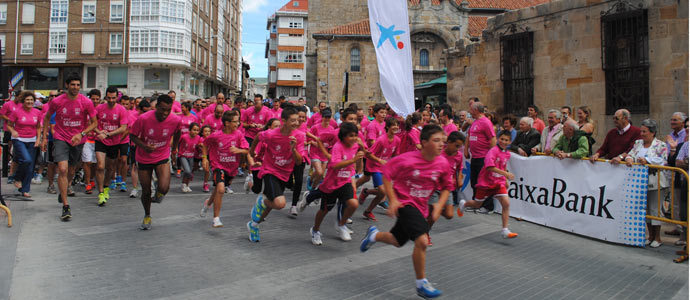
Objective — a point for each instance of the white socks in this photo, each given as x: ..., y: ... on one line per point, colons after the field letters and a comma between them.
x: 372, y: 237
x: 421, y: 282
x: 505, y: 230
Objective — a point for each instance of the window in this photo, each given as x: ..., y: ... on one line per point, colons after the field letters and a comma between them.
x: 290, y: 57
x: 143, y: 41
x: 27, y: 44
x: 3, y: 15
x: 87, y: 43
x: 58, y: 11
x: 295, y: 24
x: 145, y: 10
x: 28, y: 12
x: 2, y: 44
x: 117, y: 9
x: 88, y: 12
x: 115, y: 43
x: 625, y: 60
x: 516, y: 72
x: 424, y: 58
x: 58, y: 42
x: 91, y: 77
x: 354, y: 60
x: 172, y: 11
x: 117, y: 77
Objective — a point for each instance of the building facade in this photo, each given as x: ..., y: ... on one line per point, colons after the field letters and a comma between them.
x: 139, y: 46
x: 605, y: 55
x: 285, y: 50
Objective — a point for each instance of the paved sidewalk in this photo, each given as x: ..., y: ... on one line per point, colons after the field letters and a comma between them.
x: 101, y: 254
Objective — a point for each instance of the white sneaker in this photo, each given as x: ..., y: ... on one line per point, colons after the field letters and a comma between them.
x: 293, y: 211
x: 302, y: 203
x: 344, y: 233
x: 228, y: 190
x: 189, y: 190
x: 184, y: 188
x: 315, y: 237
x: 247, y: 181
x: 217, y: 223
x: 483, y: 210
x: 134, y: 193
x: 204, y: 210
x: 349, y: 221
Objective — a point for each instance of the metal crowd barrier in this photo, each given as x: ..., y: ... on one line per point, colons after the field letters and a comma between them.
x: 658, y: 217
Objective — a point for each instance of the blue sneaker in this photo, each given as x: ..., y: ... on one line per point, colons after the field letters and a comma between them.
x: 428, y: 291
x: 253, y: 232
x: 113, y: 185
x: 10, y: 179
x: 384, y: 204
x: 258, y: 209
x: 309, y: 188
x: 123, y: 186
x: 240, y: 172
x: 366, y: 242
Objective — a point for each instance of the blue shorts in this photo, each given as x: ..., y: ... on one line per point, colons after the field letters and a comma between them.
x: 377, y: 178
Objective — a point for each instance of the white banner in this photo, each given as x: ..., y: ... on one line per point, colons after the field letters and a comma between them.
x: 599, y: 200
x: 390, y: 32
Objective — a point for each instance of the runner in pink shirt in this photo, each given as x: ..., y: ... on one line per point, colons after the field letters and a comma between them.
x: 328, y: 136
x: 72, y: 112
x: 276, y: 110
x: 223, y: 150
x: 375, y: 129
x: 297, y: 177
x: 337, y: 187
x: 187, y: 118
x: 142, y: 107
x: 177, y: 106
x: 25, y: 129
x: 220, y: 100
x: 284, y: 149
x: 409, y: 181
x: 411, y: 140
x: 5, y: 112
x: 215, y: 120
x: 255, y: 118
x: 88, y: 153
x: 189, y: 144
x: 362, y: 119
x: 152, y: 134
x: 481, y: 137
x: 492, y: 182
x: 316, y: 117
x: 384, y: 148
x: 255, y: 184
x: 205, y: 133
x: 112, y: 122
x: 445, y: 116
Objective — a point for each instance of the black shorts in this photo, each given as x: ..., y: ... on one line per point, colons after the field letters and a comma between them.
x: 50, y: 153
x: 249, y: 140
x: 63, y: 151
x: 150, y: 167
x: 364, y: 163
x: 7, y: 137
x: 410, y: 225
x: 273, y: 187
x: 131, y: 159
x: 341, y: 194
x: 220, y: 175
x: 112, y: 152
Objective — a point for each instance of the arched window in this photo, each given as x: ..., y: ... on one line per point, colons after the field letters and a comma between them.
x: 354, y: 60
x: 424, y: 58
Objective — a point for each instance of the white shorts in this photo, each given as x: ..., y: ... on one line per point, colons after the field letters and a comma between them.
x: 88, y: 154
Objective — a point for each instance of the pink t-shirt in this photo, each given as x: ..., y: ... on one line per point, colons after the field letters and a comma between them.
x: 216, y: 124
x: 176, y: 107
x: 7, y: 109
x: 480, y: 134
x: 158, y: 134
x: 209, y: 110
x: 25, y: 122
x: 197, y: 153
x: 316, y: 119
x: 251, y: 116
x: 410, y: 141
x: 276, y: 113
x: 188, y: 145
x: 336, y: 178
x: 133, y: 116
x: 455, y: 162
x: 415, y: 179
x: 494, y: 158
x: 450, y: 127
x: 110, y: 119
x: 384, y: 149
x: 218, y: 145
x: 328, y: 136
x: 365, y: 123
x: 71, y: 116
x: 186, y: 120
x: 259, y: 151
x: 278, y: 157
x: 375, y: 130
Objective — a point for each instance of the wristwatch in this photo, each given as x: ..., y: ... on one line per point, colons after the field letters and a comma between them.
x: 621, y: 157
x: 83, y: 133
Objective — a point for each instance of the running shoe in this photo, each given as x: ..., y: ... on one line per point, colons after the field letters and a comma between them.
x: 113, y: 184
x: 178, y: 174
x: 228, y: 190
x: 106, y: 193
x: 258, y: 209
x: 302, y: 203
x: 70, y: 191
x: 315, y: 237
x: 66, y: 213
x: 206, y: 187
x: 349, y: 221
x: 309, y: 187
x: 506, y: 234
x: 217, y: 223
x: 253, y: 232
x: 146, y: 224
x: 10, y: 179
x: 133, y: 193
x: 428, y: 291
x: 89, y: 189
x: 460, y: 209
x: 362, y: 196
x: 343, y: 233
x: 184, y: 188
x: 247, y: 183
x: 483, y: 210
x: 383, y: 204
x: 240, y: 172
x: 37, y: 179
x: 101, y: 199
x: 158, y: 198
x: 366, y: 241
x: 369, y: 216
x: 293, y: 211
x: 204, y: 210
x: 123, y: 187
x: 51, y: 189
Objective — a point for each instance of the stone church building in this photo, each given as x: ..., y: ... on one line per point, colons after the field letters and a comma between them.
x: 339, y: 41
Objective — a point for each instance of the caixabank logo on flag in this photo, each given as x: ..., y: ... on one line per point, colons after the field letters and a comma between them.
x: 391, y: 35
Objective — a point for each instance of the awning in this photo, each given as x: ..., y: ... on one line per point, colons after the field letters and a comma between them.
x: 443, y: 80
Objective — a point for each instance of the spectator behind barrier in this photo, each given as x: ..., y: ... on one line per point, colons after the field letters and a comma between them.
x: 551, y: 134
x: 573, y: 143
x: 527, y: 138
x: 619, y: 140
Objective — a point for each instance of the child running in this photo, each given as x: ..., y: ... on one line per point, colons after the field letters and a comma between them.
x: 189, y: 142
x: 326, y: 134
x: 384, y: 148
x: 255, y: 183
x: 409, y: 179
x: 223, y: 149
x: 338, y: 186
x: 284, y: 149
x: 205, y: 133
x: 492, y: 182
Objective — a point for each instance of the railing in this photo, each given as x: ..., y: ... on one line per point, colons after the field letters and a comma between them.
x: 682, y: 172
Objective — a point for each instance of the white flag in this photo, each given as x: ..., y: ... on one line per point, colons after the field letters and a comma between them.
x: 390, y: 32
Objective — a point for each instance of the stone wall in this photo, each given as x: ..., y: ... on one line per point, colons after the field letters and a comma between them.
x: 567, y: 59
